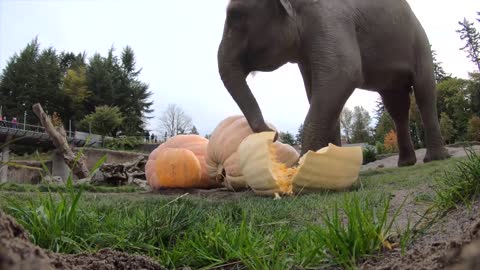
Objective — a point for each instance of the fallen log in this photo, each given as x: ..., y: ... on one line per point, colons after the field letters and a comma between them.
x: 59, y: 138
x: 128, y: 173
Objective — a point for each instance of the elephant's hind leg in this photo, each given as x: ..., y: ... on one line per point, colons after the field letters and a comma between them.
x: 425, y: 94
x: 397, y: 103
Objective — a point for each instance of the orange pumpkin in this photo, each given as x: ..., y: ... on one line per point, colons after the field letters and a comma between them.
x: 195, y: 143
x: 222, y: 156
x: 175, y: 168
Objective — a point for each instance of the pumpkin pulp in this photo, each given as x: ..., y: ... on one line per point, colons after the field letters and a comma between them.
x: 282, y: 174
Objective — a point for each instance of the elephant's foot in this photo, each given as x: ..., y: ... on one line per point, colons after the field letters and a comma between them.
x: 407, y: 160
x: 439, y: 153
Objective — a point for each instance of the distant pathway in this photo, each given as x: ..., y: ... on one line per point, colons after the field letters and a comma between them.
x: 391, y: 162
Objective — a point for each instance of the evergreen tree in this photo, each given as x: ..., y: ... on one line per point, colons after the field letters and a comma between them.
x: 346, y: 118
x: 380, y: 109
x: 360, y: 129
x: 48, y: 84
x: 18, y: 85
x: 473, y: 89
x: 446, y: 127
x: 115, y: 81
x: 453, y: 99
x: 471, y: 36
x: 194, y: 131
x: 417, y: 131
x: 69, y: 60
x: 287, y: 138
x: 384, y: 125
x: 299, y: 136
x: 440, y: 74
x: 29, y: 77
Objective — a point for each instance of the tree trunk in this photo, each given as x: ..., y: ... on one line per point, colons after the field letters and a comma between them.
x: 58, y: 136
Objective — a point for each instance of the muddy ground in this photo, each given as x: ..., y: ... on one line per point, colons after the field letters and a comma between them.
x: 452, y: 243
x: 18, y: 253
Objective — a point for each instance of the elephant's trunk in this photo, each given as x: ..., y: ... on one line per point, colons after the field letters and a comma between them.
x: 234, y: 75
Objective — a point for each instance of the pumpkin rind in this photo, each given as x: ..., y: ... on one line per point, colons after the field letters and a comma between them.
x: 176, y: 168
x: 223, y: 162
x: 332, y: 167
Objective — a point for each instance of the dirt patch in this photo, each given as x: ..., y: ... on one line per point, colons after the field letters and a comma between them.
x: 452, y: 243
x: 391, y: 162
x: 18, y: 253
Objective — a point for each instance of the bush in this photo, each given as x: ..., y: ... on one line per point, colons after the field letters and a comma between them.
x: 127, y: 143
x: 369, y: 154
x: 474, y: 129
x: 380, y: 148
x: 390, y: 142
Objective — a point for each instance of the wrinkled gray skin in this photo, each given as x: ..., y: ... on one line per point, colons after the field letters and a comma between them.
x: 339, y: 45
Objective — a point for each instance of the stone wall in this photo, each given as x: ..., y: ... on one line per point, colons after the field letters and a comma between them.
x: 29, y: 172
x: 93, y: 155
x: 26, y: 172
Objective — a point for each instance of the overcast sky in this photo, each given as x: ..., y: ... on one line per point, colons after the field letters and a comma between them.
x: 176, y: 45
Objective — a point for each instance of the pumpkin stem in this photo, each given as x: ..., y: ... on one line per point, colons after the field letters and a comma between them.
x: 220, y: 173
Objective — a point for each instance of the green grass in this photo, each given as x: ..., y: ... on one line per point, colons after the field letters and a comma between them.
x: 202, y: 234
x: 32, y: 157
x: 243, y: 231
x: 61, y: 188
x: 460, y: 184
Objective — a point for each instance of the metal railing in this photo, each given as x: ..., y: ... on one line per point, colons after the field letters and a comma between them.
x: 27, y: 127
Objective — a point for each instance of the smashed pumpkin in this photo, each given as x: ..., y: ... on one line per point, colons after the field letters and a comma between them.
x: 197, y: 146
x: 222, y: 156
x: 330, y: 168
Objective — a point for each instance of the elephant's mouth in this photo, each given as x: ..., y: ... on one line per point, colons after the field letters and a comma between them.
x: 264, y: 62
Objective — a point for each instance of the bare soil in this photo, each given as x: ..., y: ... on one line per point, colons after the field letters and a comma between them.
x: 453, y: 243
x: 18, y: 253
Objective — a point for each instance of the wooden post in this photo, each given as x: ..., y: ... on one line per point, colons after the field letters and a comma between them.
x: 58, y: 136
x: 4, y: 159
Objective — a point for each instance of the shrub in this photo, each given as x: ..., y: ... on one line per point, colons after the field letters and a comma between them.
x: 390, y: 142
x: 474, y: 129
x: 380, y: 148
x: 127, y: 143
x: 369, y: 154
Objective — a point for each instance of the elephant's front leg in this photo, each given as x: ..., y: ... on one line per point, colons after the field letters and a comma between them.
x: 321, y: 124
x: 335, y: 72
x: 335, y: 135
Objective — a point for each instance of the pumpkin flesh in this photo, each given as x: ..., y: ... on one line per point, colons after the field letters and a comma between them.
x: 332, y: 167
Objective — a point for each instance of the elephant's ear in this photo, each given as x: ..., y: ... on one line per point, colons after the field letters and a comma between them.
x: 288, y: 7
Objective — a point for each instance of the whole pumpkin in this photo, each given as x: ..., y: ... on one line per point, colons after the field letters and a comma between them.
x: 175, y: 168
x: 222, y: 156
x: 195, y: 143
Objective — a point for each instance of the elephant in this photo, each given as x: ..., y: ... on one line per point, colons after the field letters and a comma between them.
x: 338, y: 46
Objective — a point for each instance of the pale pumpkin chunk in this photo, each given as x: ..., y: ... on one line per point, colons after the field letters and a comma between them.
x: 332, y: 167
x: 281, y: 173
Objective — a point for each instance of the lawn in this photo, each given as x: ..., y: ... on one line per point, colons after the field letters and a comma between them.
x: 205, y: 230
